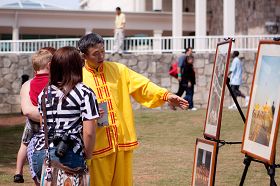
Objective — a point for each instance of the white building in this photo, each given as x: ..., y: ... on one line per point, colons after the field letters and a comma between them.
x: 32, y: 19
x: 40, y: 19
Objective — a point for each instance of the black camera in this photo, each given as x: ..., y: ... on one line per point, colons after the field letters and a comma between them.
x: 62, y: 146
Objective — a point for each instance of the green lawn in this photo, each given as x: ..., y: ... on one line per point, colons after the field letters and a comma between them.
x: 165, y: 155
x: 167, y: 138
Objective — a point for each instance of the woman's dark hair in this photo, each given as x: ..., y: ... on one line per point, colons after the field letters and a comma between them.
x: 89, y: 40
x: 66, y: 69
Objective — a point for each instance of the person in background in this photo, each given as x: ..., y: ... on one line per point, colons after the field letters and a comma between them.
x: 24, y: 78
x: 181, y: 62
x: 187, y: 81
x: 40, y: 63
x: 114, y: 84
x: 119, y: 32
x: 273, y: 108
x: 236, y: 79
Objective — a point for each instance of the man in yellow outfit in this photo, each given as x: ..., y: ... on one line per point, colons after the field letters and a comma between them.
x: 114, y: 83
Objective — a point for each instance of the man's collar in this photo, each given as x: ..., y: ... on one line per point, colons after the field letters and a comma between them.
x: 93, y: 70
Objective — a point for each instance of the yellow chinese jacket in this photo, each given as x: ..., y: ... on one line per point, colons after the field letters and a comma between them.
x: 114, y: 83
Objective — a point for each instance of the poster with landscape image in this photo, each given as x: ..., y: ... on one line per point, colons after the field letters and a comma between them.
x: 217, y: 88
x: 263, y: 114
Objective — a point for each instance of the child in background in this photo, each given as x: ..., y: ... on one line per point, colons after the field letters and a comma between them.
x: 40, y: 62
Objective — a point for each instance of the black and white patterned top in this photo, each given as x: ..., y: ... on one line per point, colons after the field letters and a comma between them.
x: 65, y: 115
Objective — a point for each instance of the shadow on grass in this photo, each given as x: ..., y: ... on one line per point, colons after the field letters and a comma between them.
x: 10, y: 138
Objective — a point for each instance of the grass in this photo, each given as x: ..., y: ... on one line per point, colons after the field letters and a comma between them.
x: 10, y: 138
x: 165, y: 155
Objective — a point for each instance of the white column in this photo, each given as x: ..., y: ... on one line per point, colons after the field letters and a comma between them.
x: 88, y: 30
x: 200, y: 23
x: 15, y: 37
x: 229, y: 17
x: 15, y: 34
x: 177, y: 17
x: 157, y: 41
x: 140, y: 5
x: 157, y: 5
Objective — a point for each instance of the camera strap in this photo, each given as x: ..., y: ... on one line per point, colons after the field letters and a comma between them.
x: 45, y: 117
x: 48, y: 160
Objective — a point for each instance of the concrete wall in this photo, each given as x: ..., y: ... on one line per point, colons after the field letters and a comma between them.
x: 155, y: 67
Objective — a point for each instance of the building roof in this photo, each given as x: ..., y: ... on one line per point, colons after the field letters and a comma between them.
x: 81, y: 19
x: 28, y: 4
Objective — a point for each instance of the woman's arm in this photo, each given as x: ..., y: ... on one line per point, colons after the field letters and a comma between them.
x: 89, y: 131
x: 28, y: 109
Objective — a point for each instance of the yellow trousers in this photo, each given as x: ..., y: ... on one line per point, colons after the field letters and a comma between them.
x: 112, y: 170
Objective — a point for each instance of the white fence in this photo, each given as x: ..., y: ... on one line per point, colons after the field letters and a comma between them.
x: 141, y: 44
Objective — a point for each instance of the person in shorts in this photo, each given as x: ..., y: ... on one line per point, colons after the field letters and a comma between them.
x: 236, y: 79
x: 40, y: 62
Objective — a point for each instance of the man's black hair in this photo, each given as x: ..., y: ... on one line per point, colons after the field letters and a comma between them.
x: 89, y: 40
x: 118, y: 8
x: 235, y: 54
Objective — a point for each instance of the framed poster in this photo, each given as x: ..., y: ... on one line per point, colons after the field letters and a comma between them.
x: 261, y: 129
x: 217, y: 88
x: 204, y: 163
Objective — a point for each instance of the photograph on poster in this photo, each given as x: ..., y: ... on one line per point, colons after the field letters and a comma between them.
x: 204, y: 163
x: 263, y: 113
x: 214, y: 107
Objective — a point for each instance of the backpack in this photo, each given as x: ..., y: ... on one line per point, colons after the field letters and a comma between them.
x: 173, y: 69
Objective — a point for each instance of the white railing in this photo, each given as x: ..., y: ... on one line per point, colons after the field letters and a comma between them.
x: 141, y: 44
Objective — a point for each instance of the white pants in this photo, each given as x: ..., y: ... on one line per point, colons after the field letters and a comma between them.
x: 118, y: 41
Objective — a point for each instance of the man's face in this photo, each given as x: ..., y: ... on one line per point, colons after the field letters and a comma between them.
x: 190, y: 60
x: 118, y: 12
x: 189, y: 52
x: 95, y: 55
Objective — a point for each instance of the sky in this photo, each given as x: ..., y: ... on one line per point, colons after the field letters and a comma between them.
x: 68, y: 4
x: 268, y: 80
x: 73, y: 4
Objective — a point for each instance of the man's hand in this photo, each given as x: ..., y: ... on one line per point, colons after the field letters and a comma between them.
x: 189, y: 84
x: 177, y: 101
x: 101, y: 112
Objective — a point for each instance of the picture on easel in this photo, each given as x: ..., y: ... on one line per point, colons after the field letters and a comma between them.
x: 261, y: 129
x: 204, y: 162
x: 217, y: 88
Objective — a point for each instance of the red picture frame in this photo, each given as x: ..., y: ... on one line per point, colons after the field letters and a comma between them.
x: 214, y: 110
x: 204, y: 166
x: 263, y: 115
